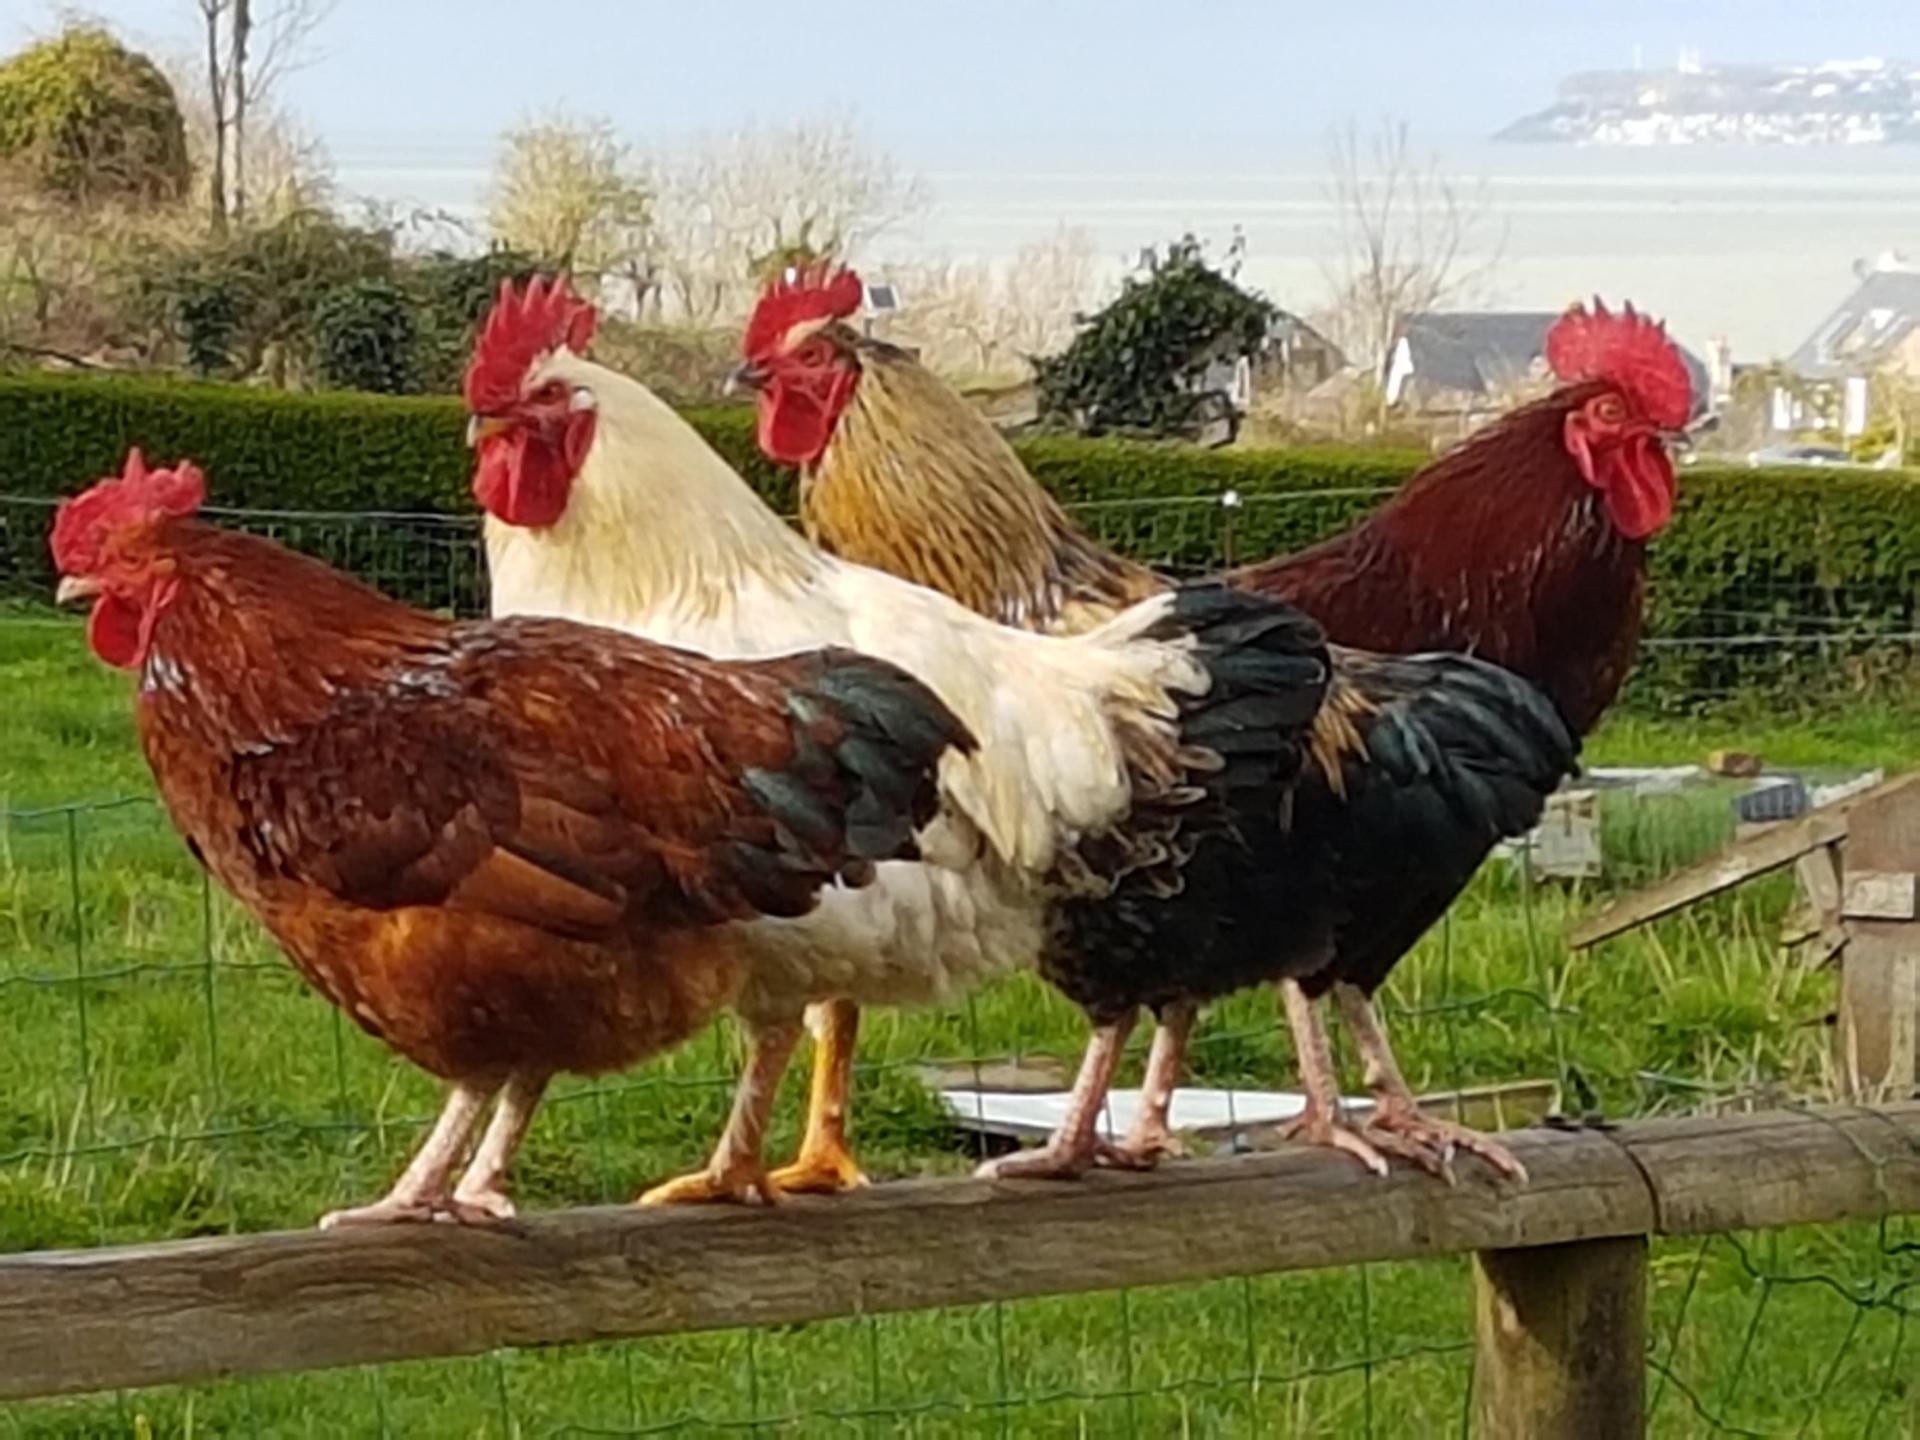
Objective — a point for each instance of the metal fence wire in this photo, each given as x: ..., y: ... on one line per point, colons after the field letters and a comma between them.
x: 166, y: 1074
x: 1790, y: 638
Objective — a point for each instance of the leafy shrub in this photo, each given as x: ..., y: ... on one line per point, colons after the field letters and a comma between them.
x: 262, y: 448
x: 313, y: 299
x: 89, y: 120
x: 450, y: 294
x: 1137, y: 364
x: 211, y: 317
x: 365, y: 338
x: 245, y: 304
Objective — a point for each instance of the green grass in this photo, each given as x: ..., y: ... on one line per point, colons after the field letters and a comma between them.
x: 167, y: 1075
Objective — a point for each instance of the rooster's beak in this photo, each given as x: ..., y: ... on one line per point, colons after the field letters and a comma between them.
x: 480, y: 427
x: 747, y: 376
x: 1686, y: 440
x: 74, y: 589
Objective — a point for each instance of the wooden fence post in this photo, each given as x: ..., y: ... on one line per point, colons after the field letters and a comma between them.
x: 1560, y: 1341
x: 1880, y: 970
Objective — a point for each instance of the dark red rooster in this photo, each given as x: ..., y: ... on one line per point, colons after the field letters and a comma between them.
x: 506, y: 848
x: 1527, y: 544
x: 1422, y: 765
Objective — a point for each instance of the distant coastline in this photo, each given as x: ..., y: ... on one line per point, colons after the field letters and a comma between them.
x: 1835, y: 102
x: 1752, y: 242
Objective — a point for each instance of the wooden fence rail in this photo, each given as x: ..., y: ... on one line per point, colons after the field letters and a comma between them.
x: 212, y: 1309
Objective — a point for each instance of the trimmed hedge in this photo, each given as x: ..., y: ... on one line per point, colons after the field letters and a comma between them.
x: 1800, y: 554
x: 274, y: 449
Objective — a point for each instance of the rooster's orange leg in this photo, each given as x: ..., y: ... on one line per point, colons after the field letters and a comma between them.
x: 1321, y: 1123
x: 1396, y: 1112
x: 1076, y: 1144
x: 481, y: 1187
x: 1149, y: 1139
x: 825, y: 1164
x: 737, y: 1170
x: 422, y: 1192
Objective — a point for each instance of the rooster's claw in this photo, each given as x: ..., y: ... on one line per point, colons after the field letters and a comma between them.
x: 741, y: 1185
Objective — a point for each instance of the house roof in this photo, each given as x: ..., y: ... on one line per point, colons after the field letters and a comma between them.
x: 1288, y: 328
x: 1870, y: 323
x: 1484, y: 352
x: 1476, y: 351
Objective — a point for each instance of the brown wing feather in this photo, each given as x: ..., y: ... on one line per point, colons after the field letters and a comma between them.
x: 568, y: 777
x: 647, y: 778
x: 402, y: 799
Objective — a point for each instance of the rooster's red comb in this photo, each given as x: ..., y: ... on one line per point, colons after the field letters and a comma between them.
x: 1628, y: 349
x: 136, y: 496
x: 522, y: 326
x: 822, y: 291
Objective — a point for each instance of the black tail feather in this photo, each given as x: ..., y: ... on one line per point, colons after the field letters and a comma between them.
x: 861, y: 781
x: 1268, y: 668
x: 1190, y: 903
x: 895, y: 731
x: 1456, y: 755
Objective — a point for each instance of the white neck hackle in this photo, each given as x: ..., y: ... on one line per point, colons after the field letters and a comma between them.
x: 656, y: 524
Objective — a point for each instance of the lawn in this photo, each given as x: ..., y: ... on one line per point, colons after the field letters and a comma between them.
x: 167, y: 1075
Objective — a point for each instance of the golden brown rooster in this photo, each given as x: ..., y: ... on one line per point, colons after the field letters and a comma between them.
x: 1422, y: 764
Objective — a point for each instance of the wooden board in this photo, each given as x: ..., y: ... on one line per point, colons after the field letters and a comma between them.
x: 1757, y: 854
x: 1880, y: 981
x: 1774, y: 1168
x: 1819, y: 874
x: 1566, y: 843
x: 1560, y: 1341
x: 1877, y: 895
x: 207, y: 1309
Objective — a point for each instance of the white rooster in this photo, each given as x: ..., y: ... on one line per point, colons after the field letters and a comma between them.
x: 605, y: 506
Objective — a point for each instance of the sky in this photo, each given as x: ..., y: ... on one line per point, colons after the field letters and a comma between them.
x: 1133, y: 121
x: 925, y: 77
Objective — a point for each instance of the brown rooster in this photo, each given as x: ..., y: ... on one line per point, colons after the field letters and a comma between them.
x: 1527, y: 544
x: 506, y: 848
x: 1422, y: 766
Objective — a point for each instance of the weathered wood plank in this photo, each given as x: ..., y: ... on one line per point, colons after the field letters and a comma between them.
x: 1879, y: 1049
x: 1767, y: 850
x: 1754, y: 1172
x: 1560, y: 1341
x: 206, y: 1309
x: 1819, y: 873
x: 203, y: 1309
x: 1757, y: 854
x: 1878, y: 895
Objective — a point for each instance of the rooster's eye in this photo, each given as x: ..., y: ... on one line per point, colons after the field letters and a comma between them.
x: 1608, y: 410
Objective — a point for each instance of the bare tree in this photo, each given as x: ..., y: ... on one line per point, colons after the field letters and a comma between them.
x: 250, y: 45
x: 567, y: 189
x: 1412, y: 237
x: 215, y: 74
x: 1046, y: 289
x: 287, y: 167
x: 974, y: 320
x: 730, y: 208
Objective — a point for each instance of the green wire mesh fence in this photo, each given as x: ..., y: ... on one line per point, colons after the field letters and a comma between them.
x: 167, y: 1075
x: 1761, y: 639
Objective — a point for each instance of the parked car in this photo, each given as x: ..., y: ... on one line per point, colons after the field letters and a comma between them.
x: 1799, y: 455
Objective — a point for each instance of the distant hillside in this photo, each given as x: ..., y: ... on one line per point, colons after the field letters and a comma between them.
x: 1854, y: 102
